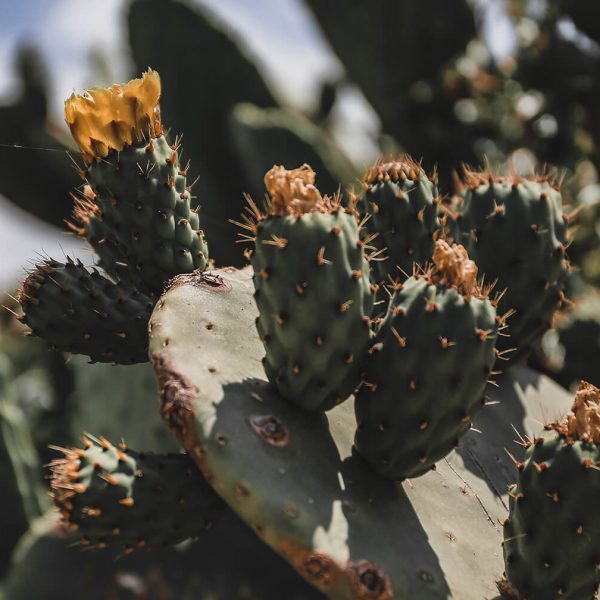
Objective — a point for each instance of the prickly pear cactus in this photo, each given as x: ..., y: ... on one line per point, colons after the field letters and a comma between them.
x: 312, y: 290
x: 116, y: 496
x: 401, y: 205
x: 555, y: 499
x: 137, y: 187
x: 405, y: 424
x: 293, y: 477
x: 515, y: 231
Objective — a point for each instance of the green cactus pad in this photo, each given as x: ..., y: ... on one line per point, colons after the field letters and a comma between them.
x: 515, y: 231
x: 312, y: 291
x: 116, y: 496
x: 401, y: 203
x: 80, y: 311
x: 135, y: 185
x: 408, y: 419
x: 552, y: 535
x: 291, y: 474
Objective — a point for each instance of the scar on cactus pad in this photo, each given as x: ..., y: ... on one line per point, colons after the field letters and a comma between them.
x: 408, y: 420
x: 556, y: 498
x: 312, y: 289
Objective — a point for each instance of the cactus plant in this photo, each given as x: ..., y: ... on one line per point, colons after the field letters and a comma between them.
x: 292, y: 474
x: 82, y: 312
x: 137, y: 186
x: 556, y: 485
x: 135, y: 212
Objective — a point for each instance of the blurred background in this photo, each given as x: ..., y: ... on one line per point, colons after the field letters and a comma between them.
x: 510, y: 83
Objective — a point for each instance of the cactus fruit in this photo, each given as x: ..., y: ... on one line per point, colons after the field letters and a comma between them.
x: 313, y: 294
x: 82, y: 312
x: 408, y: 420
x: 552, y: 535
x: 401, y: 202
x: 113, y: 495
x: 135, y: 184
x: 514, y: 229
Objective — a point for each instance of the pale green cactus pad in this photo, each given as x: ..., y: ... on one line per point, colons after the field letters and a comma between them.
x: 293, y: 477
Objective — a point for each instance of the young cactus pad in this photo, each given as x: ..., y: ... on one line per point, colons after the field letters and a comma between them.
x: 515, y: 231
x: 137, y: 200
x: 552, y: 536
x: 313, y: 292
x: 292, y: 476
x: 115, y: 496
x: 80, y: 311
x: 401, y: 203
x: 439, y: 319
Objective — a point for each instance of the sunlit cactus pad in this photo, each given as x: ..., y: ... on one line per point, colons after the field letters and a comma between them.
x: 293, y: 477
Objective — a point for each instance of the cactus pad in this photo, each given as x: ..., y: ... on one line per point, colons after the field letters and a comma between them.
x: 312, y: 291
x: 406, y: 423
x: 515, y: 231
x: 82, y: 312
x: 552, y: 536
x: 113, y: 495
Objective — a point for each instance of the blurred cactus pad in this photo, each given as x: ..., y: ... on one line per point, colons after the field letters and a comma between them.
x: 280, y: 373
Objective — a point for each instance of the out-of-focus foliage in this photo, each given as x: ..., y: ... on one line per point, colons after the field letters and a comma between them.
x: 37, y: 180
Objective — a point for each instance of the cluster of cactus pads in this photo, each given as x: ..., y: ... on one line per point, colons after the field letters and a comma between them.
x: 370, y: 306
